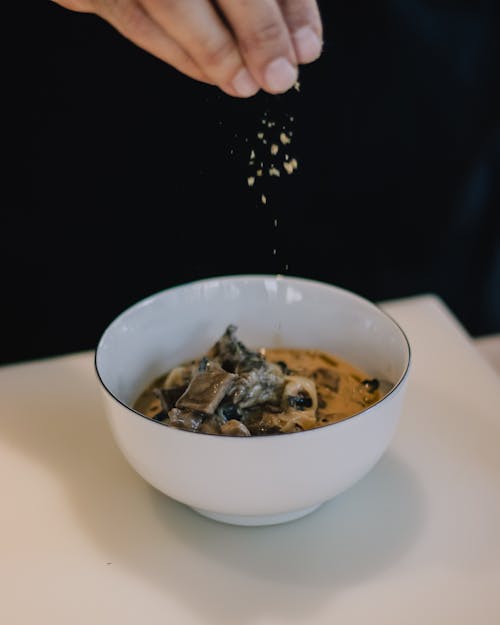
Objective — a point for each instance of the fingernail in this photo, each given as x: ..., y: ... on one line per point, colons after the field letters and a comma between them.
x: 280, y: 75
x: 244, y: 84
x: 307, y: 44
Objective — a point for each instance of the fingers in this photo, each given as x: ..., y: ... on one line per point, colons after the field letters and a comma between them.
x: 133, y: 21
x: 264, y: 40
x: 81, y: 6
x: 304, y: 23
x: 239, y: 45
x: 198, y: 28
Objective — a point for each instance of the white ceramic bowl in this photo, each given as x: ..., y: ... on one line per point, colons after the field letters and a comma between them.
x: 251, y: 480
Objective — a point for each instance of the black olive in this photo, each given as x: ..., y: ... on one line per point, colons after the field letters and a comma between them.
x: 300, y: 402
x: 284, y: 367
x: 228, y: 365
x: 371, y: 385
x: 230, y: 411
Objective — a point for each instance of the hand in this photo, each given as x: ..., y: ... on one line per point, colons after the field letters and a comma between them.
x: 239, y: 45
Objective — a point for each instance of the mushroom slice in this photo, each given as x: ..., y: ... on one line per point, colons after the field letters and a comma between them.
x: 185, y: 419
x: 178, y: 377
x: 234, y: 428
x: 270, y: 422
x: 168, y: 396
x: 207, y: 389
x: 211, y: 425
x: 258, y: 386
x: 233, y: 355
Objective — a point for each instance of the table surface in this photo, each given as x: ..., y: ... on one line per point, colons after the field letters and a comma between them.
x: 84, y: 540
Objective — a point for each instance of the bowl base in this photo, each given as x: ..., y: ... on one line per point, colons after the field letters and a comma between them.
x: 259, y: 519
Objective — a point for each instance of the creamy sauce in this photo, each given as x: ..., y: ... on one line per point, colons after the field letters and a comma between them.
x: 336, y: 401
x: 318, y: 389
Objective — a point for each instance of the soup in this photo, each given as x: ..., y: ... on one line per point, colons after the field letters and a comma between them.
x: 235, y: 391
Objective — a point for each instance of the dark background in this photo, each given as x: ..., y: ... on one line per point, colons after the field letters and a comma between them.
x: 124, y: 177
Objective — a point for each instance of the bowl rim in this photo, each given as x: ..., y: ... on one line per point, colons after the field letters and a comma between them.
x: 254, y: 277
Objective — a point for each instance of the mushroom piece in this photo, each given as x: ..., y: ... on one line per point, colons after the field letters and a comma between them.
x: 168, y: 396
x: 234, y: 428
x: 258, y: 386
x: 178, y: 377
x: 207, y: 388
x: 211, y: 424
x: 233, y: 355
x: 185, y: 419
x: 257, y: 381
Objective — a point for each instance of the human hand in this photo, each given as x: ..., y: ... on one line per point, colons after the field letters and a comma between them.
x: 241, y: 46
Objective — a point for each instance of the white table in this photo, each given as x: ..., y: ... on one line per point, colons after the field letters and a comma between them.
x: 84, y: 540
x: 489, y: 347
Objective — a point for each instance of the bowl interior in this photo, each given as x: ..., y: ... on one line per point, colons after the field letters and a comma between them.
x: 181, y: 323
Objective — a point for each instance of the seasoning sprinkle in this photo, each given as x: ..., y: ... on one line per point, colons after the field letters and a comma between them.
x: 284, y: 138
x: 290, y: 166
